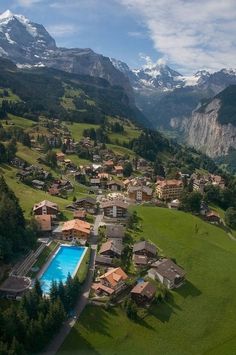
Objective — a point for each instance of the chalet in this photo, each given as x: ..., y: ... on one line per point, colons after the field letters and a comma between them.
x: 140, y: 193
x: 103, y: 260
x: 89, y: 204
x: 44, y: 223
x: 115, y: 231
x: 114, y: 279
x: 118, y: 170
x: 145, y: 248
x: 115, y: 209
x: 143, y: 292
x: 75, y: 229
x: 169, y: 189
x: 53, y: 191
x: 212, y: 217
x: 115, y: 185
x: 38, y: 184
x: 108, y: 165
x: 140, y: 260
x: 111, y: 248
x: 95, y: 182
x: 45, y: 207
x: 80, y: 214
x: 60, y: 157
x: 168, y: 273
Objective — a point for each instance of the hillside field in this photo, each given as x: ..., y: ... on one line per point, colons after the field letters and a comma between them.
x: 198, y: 318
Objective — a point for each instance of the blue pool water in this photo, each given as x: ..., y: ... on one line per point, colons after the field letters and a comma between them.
x: 65, y: 261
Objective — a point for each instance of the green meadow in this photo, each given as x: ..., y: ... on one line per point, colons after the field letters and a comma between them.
x: 198, y: 318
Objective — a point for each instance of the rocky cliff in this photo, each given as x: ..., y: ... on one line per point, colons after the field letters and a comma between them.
x: 205, y: 132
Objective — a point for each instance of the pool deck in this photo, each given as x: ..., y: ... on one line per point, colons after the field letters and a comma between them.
x: 45, y: 266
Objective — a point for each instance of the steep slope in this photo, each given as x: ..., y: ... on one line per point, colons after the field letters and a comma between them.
x: 55, y: 93
x: 212, y: 128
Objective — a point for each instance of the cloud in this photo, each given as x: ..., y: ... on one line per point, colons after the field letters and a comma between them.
x: 27, y: 3
x: 149, y: 63
x: 136, y: 34
x: 62, y: 30
x: 191, y: 34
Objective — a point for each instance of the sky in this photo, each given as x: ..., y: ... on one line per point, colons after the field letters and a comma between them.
x: 188, y: 35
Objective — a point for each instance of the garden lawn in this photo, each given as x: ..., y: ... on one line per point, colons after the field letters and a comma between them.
x: 199, y: 318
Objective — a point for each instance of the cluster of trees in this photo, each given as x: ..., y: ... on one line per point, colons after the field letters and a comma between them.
x: 8, y: 151
x: 191, y: 201
x: 28, y: 327
x: 98, y: 135
x: 16, y: 236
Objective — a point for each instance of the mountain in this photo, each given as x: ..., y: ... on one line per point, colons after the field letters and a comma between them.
x: 58, y: 94
x: 29, y: 44
x: 212, y: 127
x: 167, y: 97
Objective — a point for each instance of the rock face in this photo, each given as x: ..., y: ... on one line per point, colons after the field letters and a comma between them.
x: 204, y: 132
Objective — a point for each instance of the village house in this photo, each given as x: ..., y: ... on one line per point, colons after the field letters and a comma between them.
x: 143, y: 292
x: 75, y: 230
x: 111, y: 248
x: 95, y: 183
x: 169, y: 189
x: 89, y: 204
x: 38, y: 184
x: 45, y: 207
x: 140, y: 193
x: 60, y: 157
x: 44, y: 223
x: 108, y: 165
x: 102, y: 260
x: 80, y: 214
x: 145, y: 248
x: 118, y: 170
x: 114, y: 209
x: 115, y: 185
x: 168, y: 273
x: 115, y: 231
x: 212, y: 217
x: 113, y: 281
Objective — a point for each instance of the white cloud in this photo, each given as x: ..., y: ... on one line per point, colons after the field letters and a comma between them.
x: 191, y: 34
x: 62, y: 30
x: 27, y: 3
x: 136, y: 34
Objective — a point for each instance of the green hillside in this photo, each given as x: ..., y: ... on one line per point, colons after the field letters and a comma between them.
x: 195, y: 319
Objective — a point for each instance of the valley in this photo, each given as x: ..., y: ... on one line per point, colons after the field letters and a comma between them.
x: 117, y: 202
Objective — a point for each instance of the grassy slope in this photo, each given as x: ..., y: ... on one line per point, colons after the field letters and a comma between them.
x: 197, y: 319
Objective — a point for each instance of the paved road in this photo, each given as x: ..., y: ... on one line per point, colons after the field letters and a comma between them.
x: 56, y: 343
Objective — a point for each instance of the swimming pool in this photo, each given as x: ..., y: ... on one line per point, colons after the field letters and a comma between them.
x: 66, y: 260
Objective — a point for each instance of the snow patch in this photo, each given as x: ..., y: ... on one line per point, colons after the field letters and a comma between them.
x: 9, y: 38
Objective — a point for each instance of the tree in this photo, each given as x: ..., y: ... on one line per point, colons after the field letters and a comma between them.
x: 128, y: 169
x: 131, y: 309
x: 230, y: 217
x: 37, y: 288
x: 51, y: 159
x: 191, y: 202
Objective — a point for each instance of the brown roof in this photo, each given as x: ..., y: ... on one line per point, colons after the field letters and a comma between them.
x: 144, y: 289
x: 173, y: 182
x: 118, y: 167
x: 144, y: 245
x: 168, y: 269
x: 44, y: 222
x: 78, y: 225
x: 80, y: 214
x: 115, y: 231
x: 47, y: 204
x: 115, y: 182
x: 100, y: 286
x: 111, y: 245
x: 117, y: 203
x: 113, y: 276
x: 140, y: 259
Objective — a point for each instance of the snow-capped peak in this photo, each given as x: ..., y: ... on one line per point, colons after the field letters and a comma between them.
x: 5, y: 15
